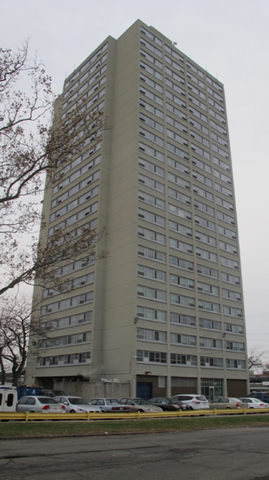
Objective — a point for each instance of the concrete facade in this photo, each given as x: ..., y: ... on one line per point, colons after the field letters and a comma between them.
x: 165, y: 309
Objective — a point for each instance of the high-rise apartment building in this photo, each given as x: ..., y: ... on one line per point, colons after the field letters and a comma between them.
x: 165, y: 309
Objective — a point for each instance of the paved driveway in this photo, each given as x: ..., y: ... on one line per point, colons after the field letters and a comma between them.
x: 233, y: 454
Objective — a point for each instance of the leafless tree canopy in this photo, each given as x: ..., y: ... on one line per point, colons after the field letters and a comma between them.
x: 15, y: 319
x: 30, y: 148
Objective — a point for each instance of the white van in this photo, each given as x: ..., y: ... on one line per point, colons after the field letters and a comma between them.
x: 8, y: 399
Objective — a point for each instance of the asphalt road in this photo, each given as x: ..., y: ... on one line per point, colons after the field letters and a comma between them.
x: 226, y: 454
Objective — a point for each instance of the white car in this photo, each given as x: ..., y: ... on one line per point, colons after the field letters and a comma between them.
x: 39, y: 404
x: 76, y: 404
x: 139, y: 405
x: 254, y: 402
x: 194, y: 401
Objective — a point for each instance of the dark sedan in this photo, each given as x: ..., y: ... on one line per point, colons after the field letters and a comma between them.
x: 168, y: 404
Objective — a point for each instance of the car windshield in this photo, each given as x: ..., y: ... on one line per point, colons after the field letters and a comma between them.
x: 77, y: 401
x: 46, y: 400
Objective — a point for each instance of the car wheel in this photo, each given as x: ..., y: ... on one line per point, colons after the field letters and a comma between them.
x: 141, y: 411
x: 72, y: 411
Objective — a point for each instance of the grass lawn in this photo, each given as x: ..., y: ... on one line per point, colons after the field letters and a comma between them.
x: 68, y: 428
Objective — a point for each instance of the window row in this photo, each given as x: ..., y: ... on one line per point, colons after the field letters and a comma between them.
x: 61, y: 360
x: 64, y: 340
x: 67, y: 303
x: 69, y: 321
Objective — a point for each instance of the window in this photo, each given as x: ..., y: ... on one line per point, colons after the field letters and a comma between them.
x: 226, y: 232
x: 151, y: 167
x: 151, y: 152
x: 197, y: 114
x: 151, y: 108
x: 218, y: 127
x: 151, y: 59
x: 151, y: 314
x: 201, y: 165
x: 177, y: 137
x: 175, y: 111
x: 205, y: 239
x: 182, y: 300
x: 179, y: 212
x: 67, y: 303
x: 227, y: 262
x: 151, y: 200
x: 204, y: 207
x: 151, y: 254
x: 151, y: 95
x: 149, y: 182
x: 75, y: 218
x: 197, y: 102
x: 195, y: 90
x: 177, y: 151
x: 151, y: 70
x: 235, y: 364
x: 151, y: 335
x: 203, y: 222
x: 151, y: 83
x: 151, y: 217
x: 151, y: 137
x: 227, y: 247
x: 175, y: 99
x: 202, y: 178
x: 219, y: 150
x: 186, y: 360
x: 173, y: 74
x: 206, y: 288
x: 211, y: 362
x: 232, y: 312
x: 151, y: 273
x: 203, y: 193
x: 182, y: 339
x: 152, y: 123
x: 179, y: 196
x: 226, y: 218
x: 209, y: 272
x: 181, y: 263
x: 209, y: 324
x: 216, y: 115
x: 151, y: 36
x: 237, y: 329
x: 217, y: 138
x: 206, y: 255
x: 223, y: 203
x: 222, y: 176
x: 179, y: 245
x: 175, y: 87
x: 150, y: 357
x: 178, y: 180
x: 151, y: 293
x: 210, y: 343
x: 176, y: 227
x: 151, y: 47
x: 235, y: 346
x: 174, y: 53
x: 151, y: 235
x: 187, y: 320
x: 181, y: 281
x: 209, y: 306
x: 68, y: 321
x: 225, y: 277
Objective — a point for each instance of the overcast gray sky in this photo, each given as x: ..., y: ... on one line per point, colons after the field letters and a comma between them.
x: 230, y: 38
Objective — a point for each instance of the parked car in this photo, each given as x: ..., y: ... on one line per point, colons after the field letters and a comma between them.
x: 263, y: 396
x: 168, y: 404
x: 139, y: 404
x: 39, y: 404
x: 254, y: 402
x: 194, y: 401
x: 74, y: 404
x: 227, y: 402
x: 110, y: 405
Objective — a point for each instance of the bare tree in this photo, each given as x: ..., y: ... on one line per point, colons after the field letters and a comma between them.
x: 30, y: 148
x: 16, y: 315
x: 256, y: 359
